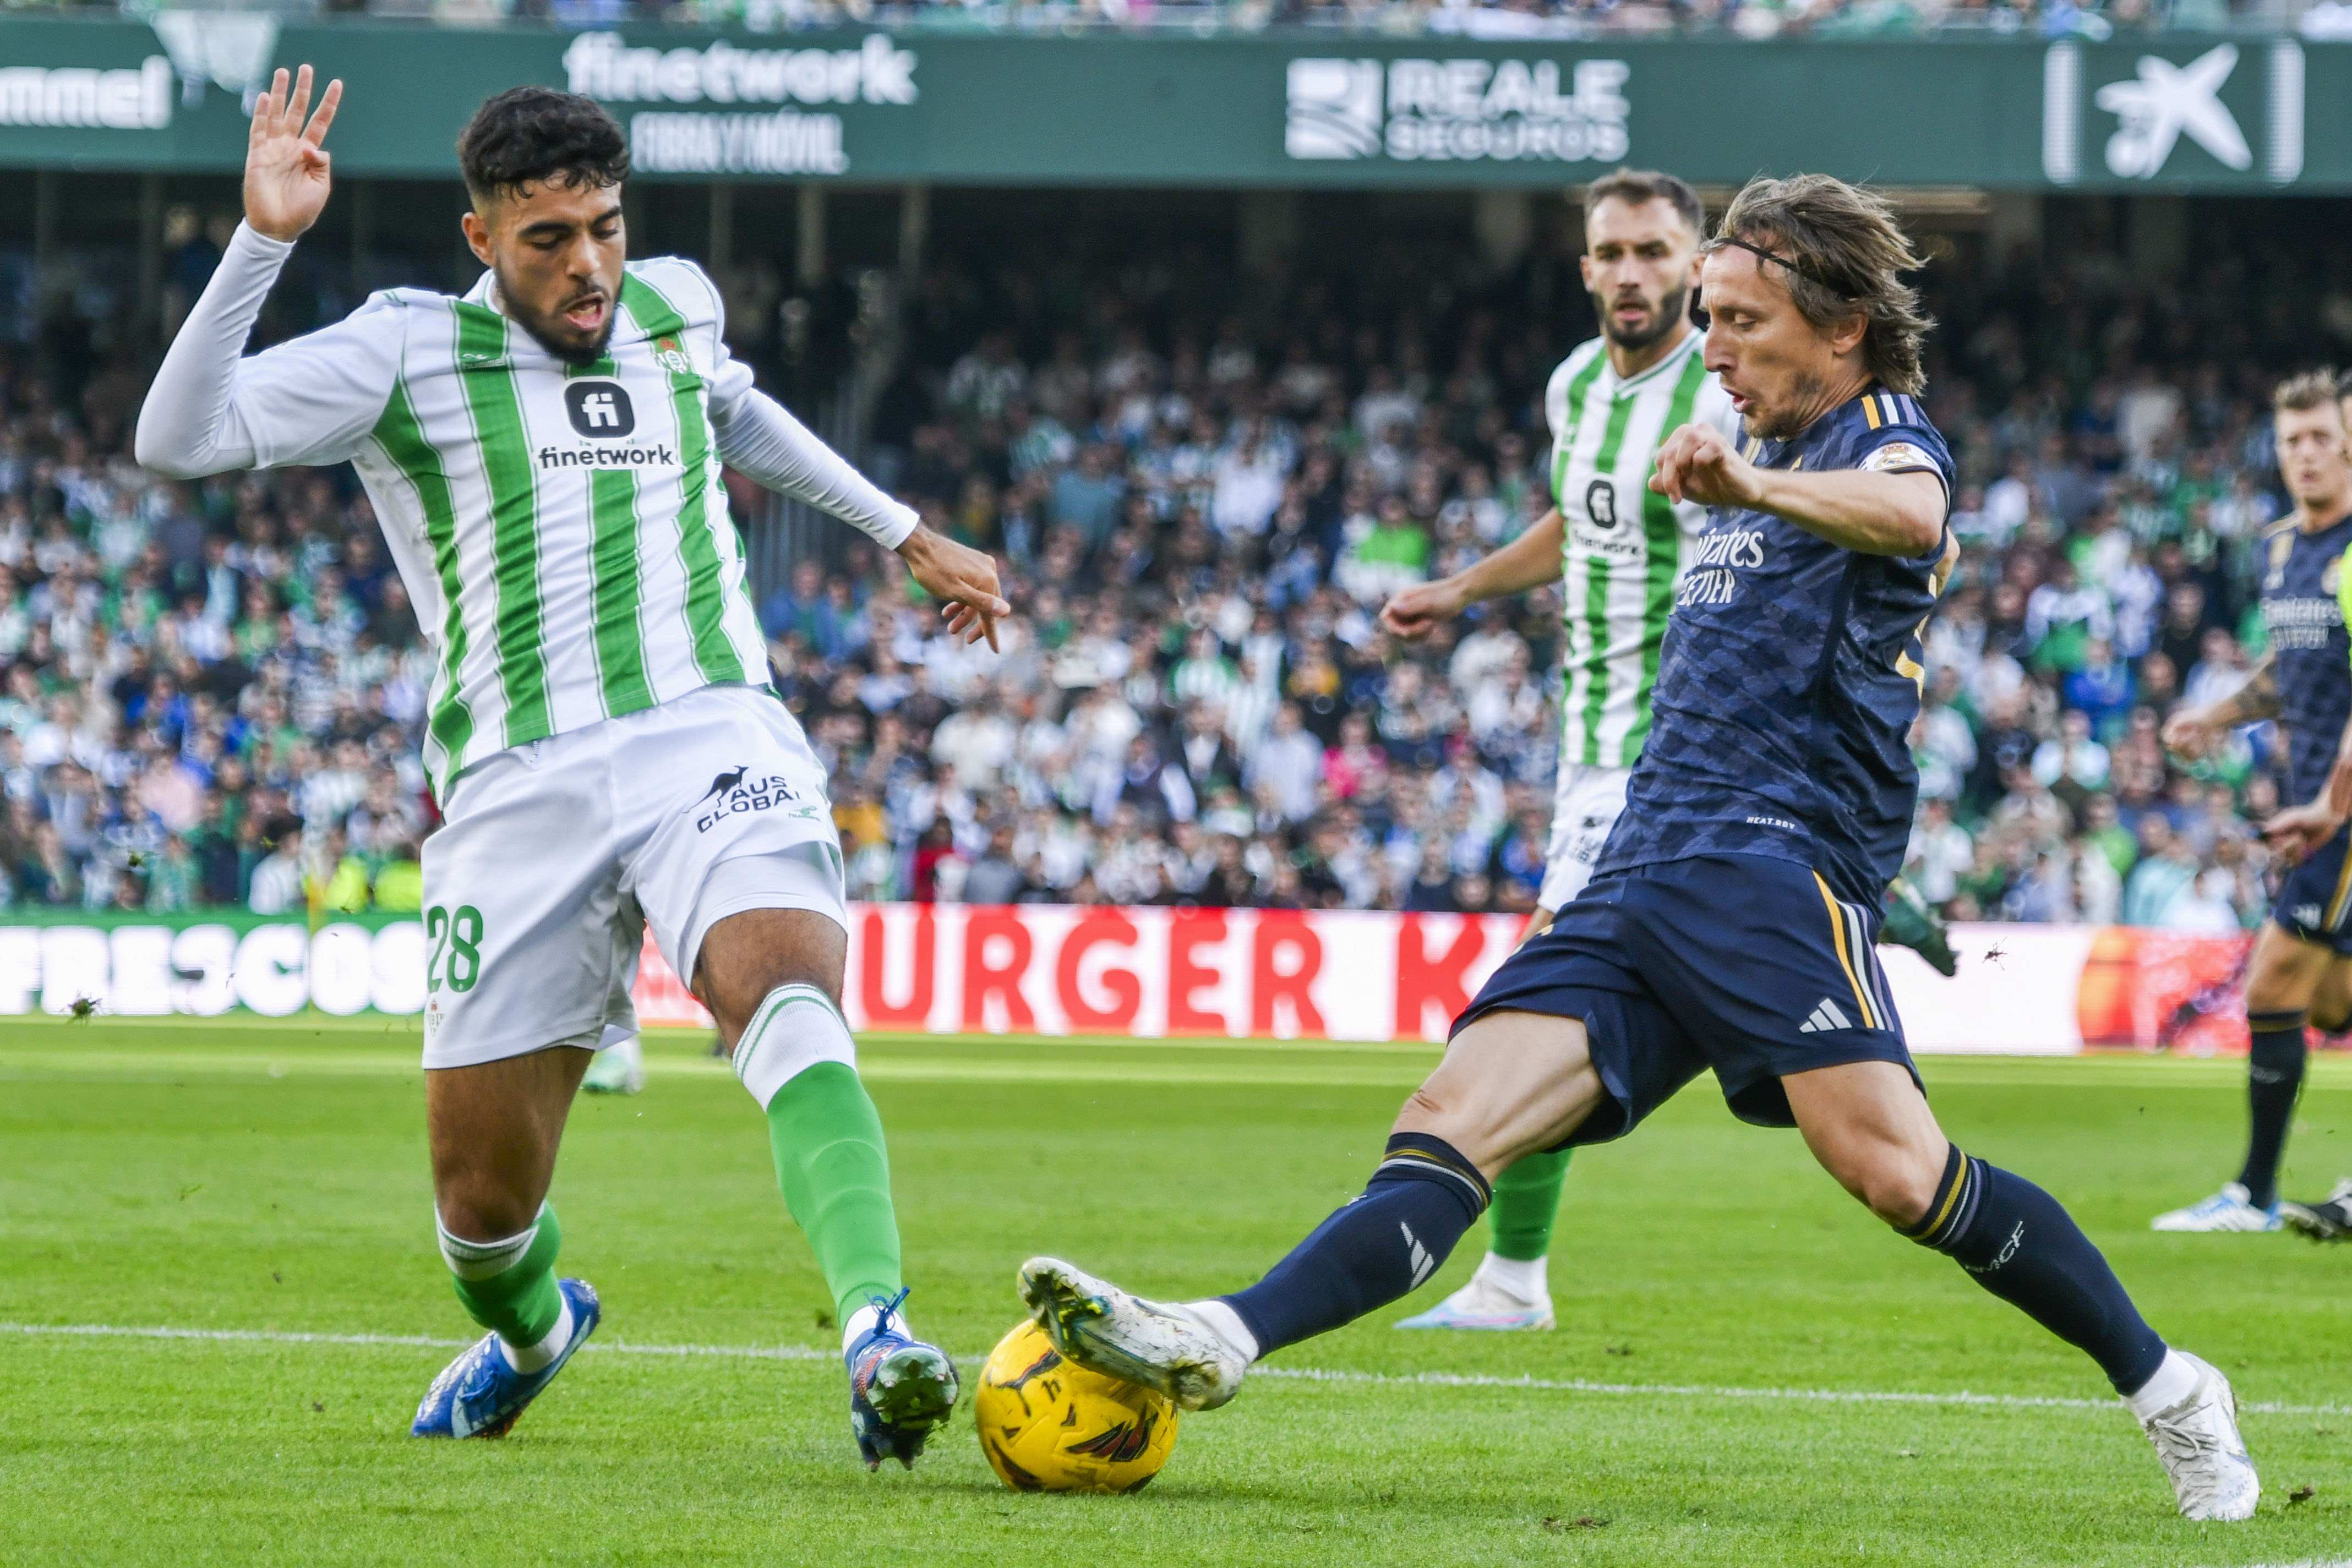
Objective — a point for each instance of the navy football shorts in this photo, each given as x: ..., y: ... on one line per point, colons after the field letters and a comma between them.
x: 1742, y: 963
x: 2312, y: 905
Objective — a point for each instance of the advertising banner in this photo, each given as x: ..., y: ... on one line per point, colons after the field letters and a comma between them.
x: 1278, y: 108
x: 1146, y: 973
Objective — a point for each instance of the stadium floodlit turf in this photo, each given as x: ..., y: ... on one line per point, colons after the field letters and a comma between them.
x: 1748, y: 1369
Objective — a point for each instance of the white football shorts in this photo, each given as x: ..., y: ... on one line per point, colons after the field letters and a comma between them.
x: 1585, y: 806
x: 553, y: 858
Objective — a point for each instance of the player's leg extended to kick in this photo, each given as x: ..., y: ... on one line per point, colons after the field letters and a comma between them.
x: 1511, y: 1082
x: 771, y: 978
x: 1870, y: 1127
x: 1511, y: 1288
x: 494, y: 1129
x: 2282, y: 985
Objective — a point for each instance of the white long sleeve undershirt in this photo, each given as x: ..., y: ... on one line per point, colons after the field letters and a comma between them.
x: 314, y: 400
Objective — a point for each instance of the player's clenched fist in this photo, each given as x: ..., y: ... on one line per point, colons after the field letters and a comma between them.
x: 1697, y: 463
x: 286, y: 165
x: 1415, y: 612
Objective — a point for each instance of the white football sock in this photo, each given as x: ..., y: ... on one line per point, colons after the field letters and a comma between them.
x: 863, y: 1319
x: 534, y: 1357
x: 1226, y: 1324
x: 1522, y: 1280
x: 2173, y: 1382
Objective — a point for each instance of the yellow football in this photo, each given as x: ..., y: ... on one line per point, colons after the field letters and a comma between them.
x: 1047, y: 1425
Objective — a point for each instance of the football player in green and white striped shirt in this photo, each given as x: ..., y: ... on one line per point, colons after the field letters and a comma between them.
x: 1616, y: 548
x: 545, y: 456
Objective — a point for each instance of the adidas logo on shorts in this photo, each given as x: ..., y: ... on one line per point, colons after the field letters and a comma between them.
x: 1827, y: 1016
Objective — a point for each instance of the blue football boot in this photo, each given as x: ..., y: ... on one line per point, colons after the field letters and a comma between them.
x: 480, y: 1396
x: 899, y: 1388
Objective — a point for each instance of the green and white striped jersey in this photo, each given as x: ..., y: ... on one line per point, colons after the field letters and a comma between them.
x: 563, y: 531
x: 1622, y: 544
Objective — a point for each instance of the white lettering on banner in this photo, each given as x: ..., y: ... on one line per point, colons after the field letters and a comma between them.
x: 602, y: 66
x: 784, y: 142
x: 74, y: 966
x: 342, y: 969
x: 20, y: 968
x: 78, y: 99
x: 1457, y: 110
x: 204, y: 964
x: 142, y: 982
x: 1154, y: 972
x: 272, y: 963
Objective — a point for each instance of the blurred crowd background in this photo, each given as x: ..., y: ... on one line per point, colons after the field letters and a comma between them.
x: 1476, y: 18
x: 1203, y: 482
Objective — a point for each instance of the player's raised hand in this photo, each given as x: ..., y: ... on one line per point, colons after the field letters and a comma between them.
x: 962, y: 579
x: 1697, y: 463
x: 1415, y: 612
x: 286, y: 163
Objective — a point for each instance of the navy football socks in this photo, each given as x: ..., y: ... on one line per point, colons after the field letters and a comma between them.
x: 2274, y: 1080
x: 2016, y: 1241
x: 1378, y: 1247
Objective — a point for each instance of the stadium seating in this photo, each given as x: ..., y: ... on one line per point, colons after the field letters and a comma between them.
x: 213, y: 690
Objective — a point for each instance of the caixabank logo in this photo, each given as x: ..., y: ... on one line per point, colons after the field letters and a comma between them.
x: 1460, y: 110
x: 2117, y: 113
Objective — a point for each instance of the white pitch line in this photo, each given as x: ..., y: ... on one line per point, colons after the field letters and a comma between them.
x: 1296, y: 1373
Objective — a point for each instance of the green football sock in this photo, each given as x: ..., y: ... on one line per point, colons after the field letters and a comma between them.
x: 1527, y: 1201
x: 508, y: 1286
x: 835, y: 1177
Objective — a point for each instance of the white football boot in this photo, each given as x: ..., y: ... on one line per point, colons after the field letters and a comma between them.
x: 2198, y: 1439
x: 1159, y: 1344
x: 2232, y: 1208
x: 1486, y: 1304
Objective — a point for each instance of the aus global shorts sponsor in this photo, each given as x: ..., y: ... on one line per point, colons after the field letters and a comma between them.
x: 603, y: 455
x: 733, y: 794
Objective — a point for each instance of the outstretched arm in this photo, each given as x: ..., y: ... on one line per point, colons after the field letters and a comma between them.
x: 306, y: 401
x: 759, y: 436
x: 1528, y: 562
x: 2192, y: 733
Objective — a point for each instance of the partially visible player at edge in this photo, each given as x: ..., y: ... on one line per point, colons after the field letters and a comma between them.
x: 1617, y: 547
x: 2298, y: 973
x: 2320, y: 821
x: 545, y: 456
x: 1729, y: 921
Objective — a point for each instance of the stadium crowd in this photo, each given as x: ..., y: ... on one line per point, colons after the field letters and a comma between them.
x: 1480, y: 19
x: 1203, y: 485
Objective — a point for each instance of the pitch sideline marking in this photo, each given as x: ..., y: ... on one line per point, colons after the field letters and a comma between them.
x: 1292, y: 1373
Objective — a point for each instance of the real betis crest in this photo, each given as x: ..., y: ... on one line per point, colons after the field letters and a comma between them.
x: 671, y: 358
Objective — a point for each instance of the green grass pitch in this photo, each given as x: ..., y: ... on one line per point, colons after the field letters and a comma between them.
x: 1715, y: 1292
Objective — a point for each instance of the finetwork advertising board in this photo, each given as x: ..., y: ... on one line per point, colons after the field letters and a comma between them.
x: 1148, y: 973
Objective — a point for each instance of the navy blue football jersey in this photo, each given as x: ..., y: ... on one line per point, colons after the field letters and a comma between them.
x: 2305, y: 622
x: 1789, y: 678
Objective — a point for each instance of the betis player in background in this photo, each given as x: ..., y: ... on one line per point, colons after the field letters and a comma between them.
x: 1616, y: 548
x: 544, y: 454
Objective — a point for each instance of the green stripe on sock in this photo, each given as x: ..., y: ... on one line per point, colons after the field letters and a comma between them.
x: 520, y: 1305
x: 1526, y: 1202
x: 706, y: 589
x: 496, y: 409
x: 835, y: 1174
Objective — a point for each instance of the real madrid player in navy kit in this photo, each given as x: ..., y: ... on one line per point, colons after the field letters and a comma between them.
x: 1730, y: 921
x: 2298, y: 972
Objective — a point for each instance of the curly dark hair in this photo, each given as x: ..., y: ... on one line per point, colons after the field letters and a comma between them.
x: 529, y: 136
